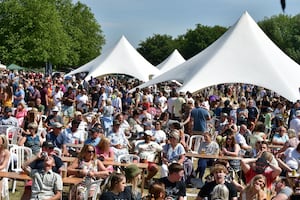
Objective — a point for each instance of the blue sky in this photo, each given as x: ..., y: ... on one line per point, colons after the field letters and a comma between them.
x: 139, y: 19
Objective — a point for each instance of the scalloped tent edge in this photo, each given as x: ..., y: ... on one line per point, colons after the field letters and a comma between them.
x: 243, y: 54
x: 123, y: 58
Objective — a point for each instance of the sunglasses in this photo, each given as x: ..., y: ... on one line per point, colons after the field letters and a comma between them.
x: 91, y: 151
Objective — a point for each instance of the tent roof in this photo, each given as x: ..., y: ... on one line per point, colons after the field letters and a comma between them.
x: 2, y: 66
x: 15, y: 67
x: 244, y: 54
x: 121, y: 59
x: 171, y: 61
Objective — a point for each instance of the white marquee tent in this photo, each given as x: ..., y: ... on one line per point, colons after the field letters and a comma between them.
x: 121, y: 59
x: 244, y: 54
x: 174, y: 59
x: 2, y: 66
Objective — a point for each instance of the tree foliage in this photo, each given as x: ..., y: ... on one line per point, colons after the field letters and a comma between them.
x: 284, y: 31
x: 155, y: 49
x: 33, y: 32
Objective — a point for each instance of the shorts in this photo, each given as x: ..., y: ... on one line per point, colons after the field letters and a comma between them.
x: 151, y: 165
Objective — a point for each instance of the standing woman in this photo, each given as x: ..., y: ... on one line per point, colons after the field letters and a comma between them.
x: 116, y: 188
x: 19, y: 95
x: 88, y: 167
x: 4, y: 163
x: 31, y: 139
x: 256, y: 189
x: 231, y: 148
x: 107, y: 116
x: 242, y: 114
x: 8, y: 97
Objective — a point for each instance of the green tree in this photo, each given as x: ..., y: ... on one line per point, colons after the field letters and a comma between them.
x: 33, y: 32
x: 157, y: 48
x: 284, y: 31
x: 194, y: 41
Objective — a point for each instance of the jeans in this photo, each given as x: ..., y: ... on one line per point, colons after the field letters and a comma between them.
x: 202, y: 164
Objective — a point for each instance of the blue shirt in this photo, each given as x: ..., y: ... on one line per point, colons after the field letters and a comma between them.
x: 93, y: 142
x: 200, y: 116
x: 57, y: 141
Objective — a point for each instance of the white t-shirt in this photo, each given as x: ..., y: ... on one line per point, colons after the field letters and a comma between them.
x: 81, y: 100
x: 240, y: 139
x: 57, y: 96
x: 148, y: 151
x: 292, y: 158
x: 160, y: 136
x: 295, y: 124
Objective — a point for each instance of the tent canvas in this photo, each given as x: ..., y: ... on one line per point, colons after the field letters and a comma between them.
x: 174, y: 59
x: 2, y: 66
x: 15, y: 67
x: 121, y: 59
x: 244, y: 54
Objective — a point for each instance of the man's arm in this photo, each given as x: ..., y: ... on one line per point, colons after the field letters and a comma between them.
x: 57, y: 196
x: 276, y: 170
x: 25, y: 165
x: 245, y: 164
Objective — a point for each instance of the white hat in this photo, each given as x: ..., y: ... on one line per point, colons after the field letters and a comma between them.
x: 55, y: 109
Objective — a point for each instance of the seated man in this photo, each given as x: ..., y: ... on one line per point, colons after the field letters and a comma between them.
x: 38, y: 164
x: 118, y: 141
x: 283, y: 192
x: 46, y: 184
x: 147, y: 150
x: 254, y: 166
x: 95, y: 135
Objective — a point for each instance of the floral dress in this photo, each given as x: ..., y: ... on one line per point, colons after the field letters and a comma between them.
x: 78, y: 191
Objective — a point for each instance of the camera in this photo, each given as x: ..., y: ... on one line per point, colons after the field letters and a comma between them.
x: 44, y: 155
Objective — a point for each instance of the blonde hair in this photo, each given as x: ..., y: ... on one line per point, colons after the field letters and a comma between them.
x: 103, y: 142
x: 251, y: 185
x: 4, y: 141
x: 291, y: 133
x: 218, y: 168
x: 220, y: 192
x: 84, y: 150
x: 113, y: 180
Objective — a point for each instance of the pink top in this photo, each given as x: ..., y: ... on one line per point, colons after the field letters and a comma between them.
x: 105, y: 155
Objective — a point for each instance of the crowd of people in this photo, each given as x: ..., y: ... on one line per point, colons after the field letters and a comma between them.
x: 112, y: 117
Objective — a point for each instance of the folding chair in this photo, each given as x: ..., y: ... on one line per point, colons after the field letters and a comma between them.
x: 22, y: 154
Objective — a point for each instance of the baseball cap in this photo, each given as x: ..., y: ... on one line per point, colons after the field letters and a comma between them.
x: 57, y: 125
x: 48, y: 144
x: 55, y: 109
x: 7, y: 109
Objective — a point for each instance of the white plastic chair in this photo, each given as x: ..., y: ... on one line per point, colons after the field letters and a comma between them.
x: 12, y: 134
x: 187, y: 138
x: 3, y: 129
x: 96, y: 192
x: 22, y: 154
x: 194, y: 143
